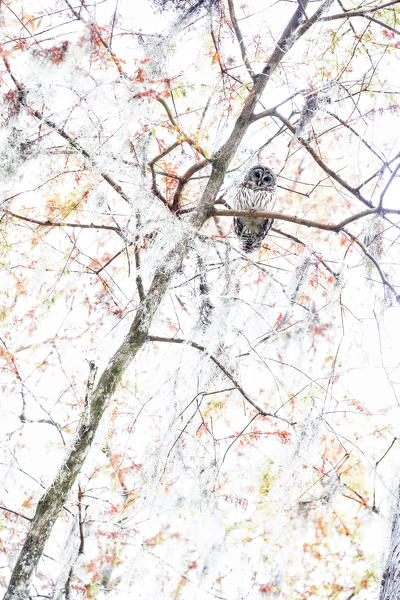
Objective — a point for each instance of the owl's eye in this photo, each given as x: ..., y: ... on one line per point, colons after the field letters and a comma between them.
x: 267, y: 179
x: 257, y: 174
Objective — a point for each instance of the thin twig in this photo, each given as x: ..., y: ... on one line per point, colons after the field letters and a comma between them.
x: 385, y: 189
x: 349, y: 13
x: 298, y: 241
x: 354, y: 132
x: 375, y: 262
x: 14, y: 512
x: 72, y: 141
x: 229, y: 375
x: 239, y: 37
x: 49, y: 223
x: 324, y: 167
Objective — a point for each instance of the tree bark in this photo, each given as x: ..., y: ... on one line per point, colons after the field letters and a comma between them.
x: 53, y: 499
x: 390, y: 587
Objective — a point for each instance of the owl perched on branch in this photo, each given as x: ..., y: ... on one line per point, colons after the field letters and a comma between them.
x: 257, y: 192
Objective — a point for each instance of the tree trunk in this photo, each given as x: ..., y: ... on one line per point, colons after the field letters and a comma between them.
x: 390, y: 588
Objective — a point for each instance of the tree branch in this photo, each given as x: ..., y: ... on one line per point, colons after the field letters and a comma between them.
x: 184, y: 137
x: 92, y: 25
x: 153, y: 161
x: 376, y: 264
x: 72, y: 141
x: 365, y: 14
x: 354, y: 132
x: 385, y: 189
x: 373, y: 20
x: 184, y: 180
x: 239, y: 37
x: 298, y: 241
x: 324, y: 167
x: 222, y: 212
x: 49, y: 223
x: 225, y: 371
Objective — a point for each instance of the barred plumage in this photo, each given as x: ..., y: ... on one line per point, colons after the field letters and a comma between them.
x: 257, y: 192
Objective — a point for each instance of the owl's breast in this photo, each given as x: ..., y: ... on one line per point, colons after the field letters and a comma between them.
x: 249, y: 199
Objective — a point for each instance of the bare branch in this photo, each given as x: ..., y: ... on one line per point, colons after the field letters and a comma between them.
x: 354, y: 132
x: 72, y: 141
x: 324, y: 167
x: 385, y: 189
x: 184, y: 180
x: 184, y: 137
x: 49, y: 223
x: 376, y: 264
x: 298, y: 241
x: 222, y: 212
x: 154, y: 187
x: 340, y: 227
x: 14, y: 512
x: 168, y: 111
x: 100, y: 37
x: 239, y: 36
x: 226, y: 372
x: 365, y: 14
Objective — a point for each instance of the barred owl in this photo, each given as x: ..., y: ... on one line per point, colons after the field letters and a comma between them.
x: 257, y: 192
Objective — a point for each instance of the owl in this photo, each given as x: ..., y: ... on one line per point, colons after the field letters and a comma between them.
x: 257, y: 192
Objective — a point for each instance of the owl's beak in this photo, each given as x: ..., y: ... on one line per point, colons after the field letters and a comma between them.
x: 259, y: 182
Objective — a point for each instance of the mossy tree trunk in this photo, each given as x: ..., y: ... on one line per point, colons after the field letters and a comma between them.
x: 390, y: 588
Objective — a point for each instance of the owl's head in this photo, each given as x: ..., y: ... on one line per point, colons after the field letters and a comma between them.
x: 261, y: 176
